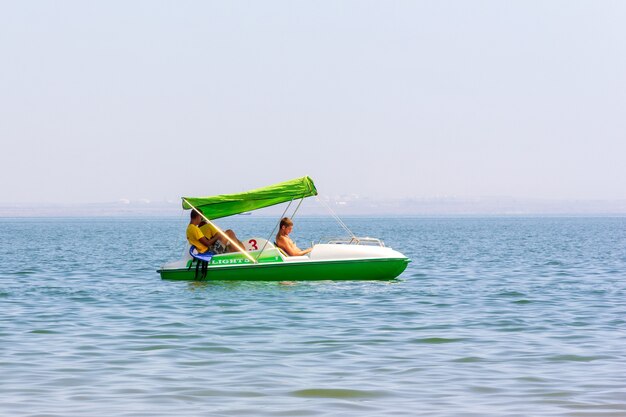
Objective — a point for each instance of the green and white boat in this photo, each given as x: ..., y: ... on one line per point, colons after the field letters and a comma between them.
x: 352, y: 258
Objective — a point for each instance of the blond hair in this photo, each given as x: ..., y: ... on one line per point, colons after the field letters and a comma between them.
x: 285, y: 221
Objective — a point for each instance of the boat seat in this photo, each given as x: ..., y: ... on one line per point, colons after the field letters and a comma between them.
x: 206, y: 256
x: 202, y: 261
x: 282, y: 252
x: 288, y: 258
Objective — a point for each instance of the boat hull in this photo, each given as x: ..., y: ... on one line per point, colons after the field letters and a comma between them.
x: 336, y: 270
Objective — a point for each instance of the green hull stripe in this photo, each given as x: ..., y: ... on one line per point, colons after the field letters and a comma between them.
x: 367, y: 270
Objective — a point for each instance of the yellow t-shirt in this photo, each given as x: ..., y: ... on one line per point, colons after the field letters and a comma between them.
x: 208, y: 230
x: 193, y: 237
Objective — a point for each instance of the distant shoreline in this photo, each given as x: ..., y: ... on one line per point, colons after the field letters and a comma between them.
x: 426, y: 207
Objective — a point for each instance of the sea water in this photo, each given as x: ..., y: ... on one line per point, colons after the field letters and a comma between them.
x: 493, y: 317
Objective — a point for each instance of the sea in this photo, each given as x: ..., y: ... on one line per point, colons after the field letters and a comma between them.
x: 494, y: 316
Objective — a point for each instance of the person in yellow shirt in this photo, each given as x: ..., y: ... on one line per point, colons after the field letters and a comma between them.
x: 205, y: 237
x: 207, y: 229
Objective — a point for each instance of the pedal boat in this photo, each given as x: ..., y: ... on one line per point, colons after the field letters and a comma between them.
x: 260, y: 260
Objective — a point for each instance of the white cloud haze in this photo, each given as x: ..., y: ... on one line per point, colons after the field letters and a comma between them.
x: 102, y: 101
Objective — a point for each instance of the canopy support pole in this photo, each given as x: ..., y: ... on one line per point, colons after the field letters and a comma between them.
x: 221, y: 232
x: 296, y: 210
x: 270, y: 236
x: 341, y: 223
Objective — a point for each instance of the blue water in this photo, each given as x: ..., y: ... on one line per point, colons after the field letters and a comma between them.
x: 494, y: 317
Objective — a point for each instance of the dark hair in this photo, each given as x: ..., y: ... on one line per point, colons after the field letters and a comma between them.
x: 194, y: 214
x: 285, y: 221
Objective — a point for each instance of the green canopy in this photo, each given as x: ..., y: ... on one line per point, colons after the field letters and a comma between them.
x: 230, y: 204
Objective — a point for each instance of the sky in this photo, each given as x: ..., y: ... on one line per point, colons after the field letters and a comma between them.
x: 109, y: 100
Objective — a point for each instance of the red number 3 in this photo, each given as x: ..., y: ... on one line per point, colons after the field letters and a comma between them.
x: 252, y: 242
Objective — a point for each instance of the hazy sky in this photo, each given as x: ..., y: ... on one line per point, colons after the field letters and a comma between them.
x: 102, y: 100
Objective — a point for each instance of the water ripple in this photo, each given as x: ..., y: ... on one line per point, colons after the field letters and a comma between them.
x: 494, y: 317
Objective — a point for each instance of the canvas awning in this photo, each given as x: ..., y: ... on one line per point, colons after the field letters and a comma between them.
x: 225, y: 205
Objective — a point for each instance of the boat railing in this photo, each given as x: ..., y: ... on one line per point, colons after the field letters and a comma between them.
x: 367, y: 241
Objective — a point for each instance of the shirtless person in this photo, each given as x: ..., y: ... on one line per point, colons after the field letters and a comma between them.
x: 284, y: 242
